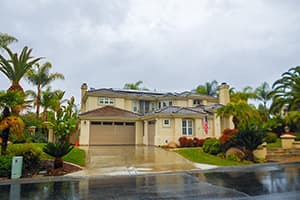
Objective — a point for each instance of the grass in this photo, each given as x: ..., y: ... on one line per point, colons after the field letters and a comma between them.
x: 76, y: 156
x: 198, y: 156
x: 275, y: 144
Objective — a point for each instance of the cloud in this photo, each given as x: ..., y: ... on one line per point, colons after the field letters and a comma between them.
x: 170, y: 44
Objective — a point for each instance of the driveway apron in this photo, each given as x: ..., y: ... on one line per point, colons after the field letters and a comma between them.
x: 132, y: 160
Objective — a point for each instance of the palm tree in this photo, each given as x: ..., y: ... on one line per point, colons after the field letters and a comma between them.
x: 244, y: 95
x: 286, y: 91
x: 263, y: 93
x: 134, y: 86
x: 16, y: 66
x: 209, y: 88
x: 6, y: 39
x: 51, y: 100
x: 40, y: 77
x: 241, y: 112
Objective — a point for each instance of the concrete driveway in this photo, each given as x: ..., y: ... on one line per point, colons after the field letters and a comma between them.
x: 132, y: 160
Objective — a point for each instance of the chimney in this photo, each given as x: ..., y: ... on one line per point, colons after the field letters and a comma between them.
x: 224, y: 97
x: 84, y: 88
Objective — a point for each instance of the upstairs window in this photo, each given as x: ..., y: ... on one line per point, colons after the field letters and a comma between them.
x: 197, y: 102
x: 166, y: 123
x: 135, y: 106
x: 106, y: 100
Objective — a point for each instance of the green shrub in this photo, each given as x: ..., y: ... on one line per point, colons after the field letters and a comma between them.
x: 270, y: 137
x: 5, y: 166
x: 58, y: 150
x: 233, y: 157
x: 212, y: 146
x: 249, y: 138
x: 31, y: 154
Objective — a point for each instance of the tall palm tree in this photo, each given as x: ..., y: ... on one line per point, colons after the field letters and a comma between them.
x: 6, y: 39
x: 51, y: 100
x: 16, y: 66
x: 134, y: 86
x: 263, y: 94
x: 286, y: 91
x: 41, y: 77
x: 209, y: 88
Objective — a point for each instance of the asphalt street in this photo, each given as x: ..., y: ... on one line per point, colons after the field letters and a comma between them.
x: 272, y: 181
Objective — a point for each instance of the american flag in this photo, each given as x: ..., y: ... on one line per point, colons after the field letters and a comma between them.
x: 205, y: 124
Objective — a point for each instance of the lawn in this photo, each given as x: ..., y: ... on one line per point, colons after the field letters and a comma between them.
x: 275, y: 144
x: 76, y: 156
x: 198, y: 156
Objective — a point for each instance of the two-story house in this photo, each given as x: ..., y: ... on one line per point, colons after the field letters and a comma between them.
x: 122, y: 117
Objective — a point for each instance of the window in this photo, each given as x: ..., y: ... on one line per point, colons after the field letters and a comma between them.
x: 135, y: 106
x: 129, y: 123
x: 119, y: 123
x: 96, y: 123
x: 107, y: 123
x: 166, y: 122
x: 170, y: 103
x: 197, y: 102
x: 153, y: 106
x: 164, y: 104
x: 187, y: 127
x: 106, y: 100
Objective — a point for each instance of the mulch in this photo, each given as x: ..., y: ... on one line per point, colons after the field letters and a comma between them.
x: 45, y: 169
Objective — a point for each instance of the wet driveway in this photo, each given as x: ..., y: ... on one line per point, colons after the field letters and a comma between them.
x: 276, y: 181
x: 132, y: 160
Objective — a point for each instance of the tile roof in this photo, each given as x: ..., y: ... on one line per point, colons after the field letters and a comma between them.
x: 109, y: 111
x: 142, y: 93
x: 180, y: 110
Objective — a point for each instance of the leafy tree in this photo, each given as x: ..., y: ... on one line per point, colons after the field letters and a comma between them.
x: 6, y: 39
x: 65, y: 122
x: 244, y: 95
x: 134, y: 86
x: 17, y: 66
x: 41, y: 77
x: 209, y: 88
x: 241, y: 113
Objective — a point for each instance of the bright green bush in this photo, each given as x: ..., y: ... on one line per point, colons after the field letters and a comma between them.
x: 212, y: 146
x: 31, y: 154
x: 233, y: 157
x: 5, y: 166
x: 270, y: 137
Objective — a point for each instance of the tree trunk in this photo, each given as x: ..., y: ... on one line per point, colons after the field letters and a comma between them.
x: 15, y: 87
x: 58, y: 163
x: 38, y: 101
x: 4, y: 135
x: 235, y: 121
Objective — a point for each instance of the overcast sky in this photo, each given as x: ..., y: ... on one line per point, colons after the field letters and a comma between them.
x: 171, y: 45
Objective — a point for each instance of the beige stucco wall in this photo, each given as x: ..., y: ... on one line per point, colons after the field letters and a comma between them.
x: 93, y: 103
x: 139, y: 132
x: 128, y: 104
x: 84, y: 135
x: 182, y: 103
x: 164, y: 134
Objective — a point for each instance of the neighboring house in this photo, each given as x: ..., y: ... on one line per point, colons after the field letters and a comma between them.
x: 118, y: 116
